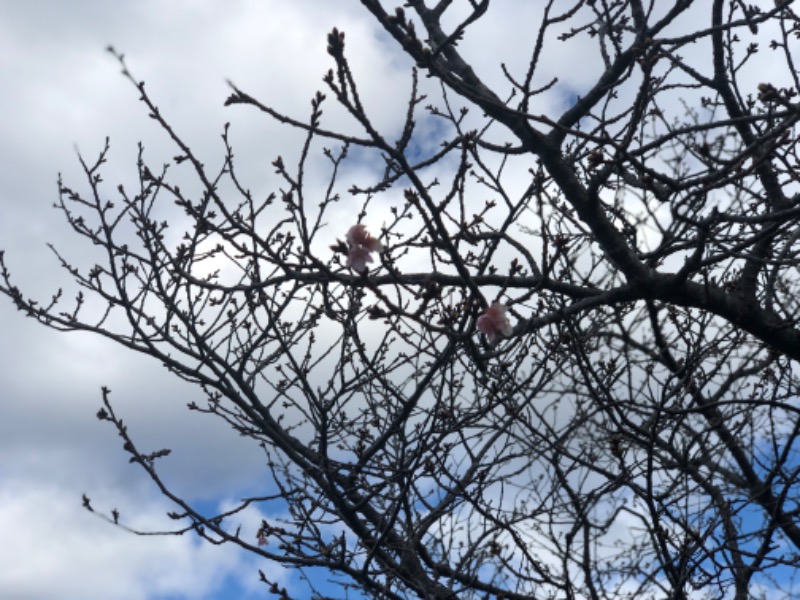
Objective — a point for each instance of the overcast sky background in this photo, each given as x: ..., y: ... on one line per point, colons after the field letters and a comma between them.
x: 62, y: 91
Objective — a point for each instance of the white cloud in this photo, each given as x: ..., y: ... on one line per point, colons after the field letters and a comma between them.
x: 54, y: 548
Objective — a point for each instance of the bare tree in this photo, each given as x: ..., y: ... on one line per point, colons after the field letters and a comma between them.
x: 565, y: 366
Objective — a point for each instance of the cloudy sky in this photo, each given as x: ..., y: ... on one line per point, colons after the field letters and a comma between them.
x: 62, y: 93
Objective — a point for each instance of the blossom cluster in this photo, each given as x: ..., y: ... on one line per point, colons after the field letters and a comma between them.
x: 494, y: 323
x: 360, y: 246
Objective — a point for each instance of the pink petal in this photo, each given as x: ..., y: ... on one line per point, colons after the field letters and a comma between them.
x: 494, y: 323
x: 373, y: 245
x: 357, y: 258
x: 357, y: 234
x: 485, y: 325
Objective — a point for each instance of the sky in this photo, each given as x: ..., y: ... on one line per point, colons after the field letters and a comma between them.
x: 63, y: 94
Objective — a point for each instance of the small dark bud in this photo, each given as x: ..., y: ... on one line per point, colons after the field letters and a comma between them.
x: 767, y: 92
x: 336, y: 43
x: 339, y: 247
x: 595, y: 158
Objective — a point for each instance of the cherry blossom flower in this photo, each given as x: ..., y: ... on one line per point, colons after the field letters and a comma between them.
x: 494, y: 323
x: 359, y: 236
x: 360, y: 245
x: 358, y: 257
x: 262, y: 535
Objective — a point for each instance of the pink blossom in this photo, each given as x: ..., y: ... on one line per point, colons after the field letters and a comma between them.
x: 494, y: 323
x: 360, y: 245
x: 358, y: 257
x: 262, y: 535
x: 359, y: 236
